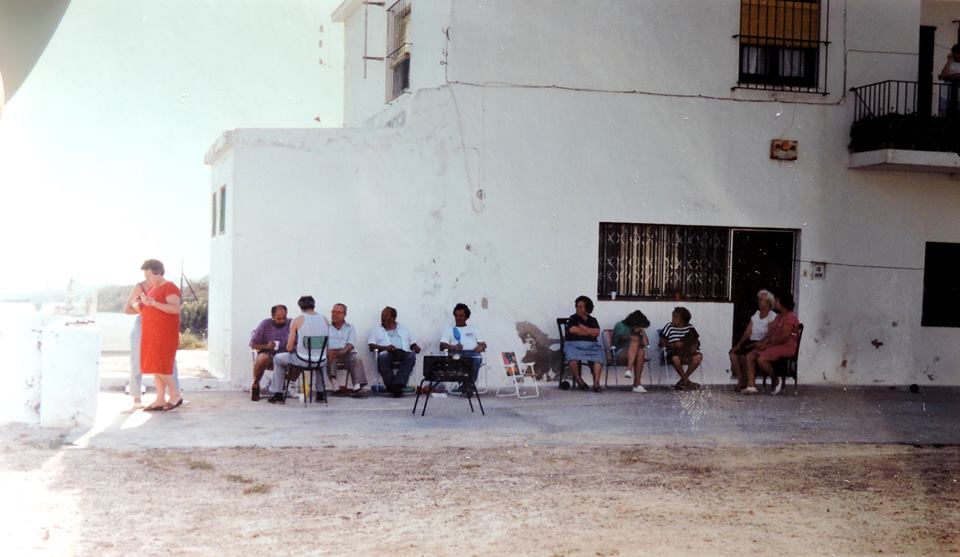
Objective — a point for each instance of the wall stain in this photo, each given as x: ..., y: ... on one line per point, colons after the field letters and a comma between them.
x: 539, y: 351
x: 876, y: 343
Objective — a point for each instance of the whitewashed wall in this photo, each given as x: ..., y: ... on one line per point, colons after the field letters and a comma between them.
x: 490, y: 190
x: 365, y: 82
x: 941, y: 14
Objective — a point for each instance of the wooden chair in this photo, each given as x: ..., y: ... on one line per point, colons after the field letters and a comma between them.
x: 787, y: 367
x: 517, y: 372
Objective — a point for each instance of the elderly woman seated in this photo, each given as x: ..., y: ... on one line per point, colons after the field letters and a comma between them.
x: 630, y: 339
x: 780, y: 342
x: 682, y: 342
x: 755, y: 332
x: 581, y: 343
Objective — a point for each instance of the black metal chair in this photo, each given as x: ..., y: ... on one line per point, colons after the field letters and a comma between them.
x: 313, y: 366
x: 787, y: 367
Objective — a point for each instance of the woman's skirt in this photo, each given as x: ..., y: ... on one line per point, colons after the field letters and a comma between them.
x: 583, y: 351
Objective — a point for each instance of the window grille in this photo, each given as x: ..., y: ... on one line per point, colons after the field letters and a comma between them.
x: 398, y: 49
x: 781, y: 47
x: 662, y: 262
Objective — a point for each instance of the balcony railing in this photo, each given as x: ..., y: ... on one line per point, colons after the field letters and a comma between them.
x: 906, y: 115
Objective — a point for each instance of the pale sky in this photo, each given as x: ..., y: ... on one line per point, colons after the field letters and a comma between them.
x: 101, y: 149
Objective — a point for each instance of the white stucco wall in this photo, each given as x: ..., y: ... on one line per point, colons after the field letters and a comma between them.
x: 221, y: 286
x: 365, y: 82
x: 490, y: 190
x: 941, y: 14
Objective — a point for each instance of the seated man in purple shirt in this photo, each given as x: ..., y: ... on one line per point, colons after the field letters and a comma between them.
x: 269, y: 338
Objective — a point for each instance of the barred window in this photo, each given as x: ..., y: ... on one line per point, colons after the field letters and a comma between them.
x: 661, y: 262
x: 780, y: 44
x: 398, y: 49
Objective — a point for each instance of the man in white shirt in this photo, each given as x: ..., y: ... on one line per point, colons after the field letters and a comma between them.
x: 398, y: 351
x: 308, y: 324
x: 463, y: 340
x: 340, y: 344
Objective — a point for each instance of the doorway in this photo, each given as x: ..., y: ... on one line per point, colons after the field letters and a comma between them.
x: 760, y: 259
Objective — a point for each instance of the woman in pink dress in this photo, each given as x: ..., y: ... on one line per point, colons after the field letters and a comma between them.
x: 159, y: 309
x: 780, y: 342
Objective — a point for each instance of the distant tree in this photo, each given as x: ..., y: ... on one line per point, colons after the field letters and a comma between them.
x: 193, y: 307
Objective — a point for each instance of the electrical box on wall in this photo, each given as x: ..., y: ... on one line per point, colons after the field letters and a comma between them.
x: 818, y: 270
x: 783, y: 149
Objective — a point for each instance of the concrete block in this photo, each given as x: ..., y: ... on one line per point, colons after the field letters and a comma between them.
x: 69, y: 375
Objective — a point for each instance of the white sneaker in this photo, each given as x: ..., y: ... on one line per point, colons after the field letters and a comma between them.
x: 749, y: 391
x: 778, y: 387
x: 639, y: 389
x: 628, y: 374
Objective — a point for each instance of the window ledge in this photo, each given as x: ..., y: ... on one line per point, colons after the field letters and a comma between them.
x: 909, y: 160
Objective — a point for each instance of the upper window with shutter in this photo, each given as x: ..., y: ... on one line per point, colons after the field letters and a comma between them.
x: 781, y: 45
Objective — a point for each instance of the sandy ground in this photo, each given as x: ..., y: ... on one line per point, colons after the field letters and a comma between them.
x: 512, y: 499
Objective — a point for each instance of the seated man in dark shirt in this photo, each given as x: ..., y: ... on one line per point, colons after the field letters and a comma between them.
x: 267, y: 339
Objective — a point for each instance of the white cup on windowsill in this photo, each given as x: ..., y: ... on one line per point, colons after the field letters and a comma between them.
x: 613, y: 294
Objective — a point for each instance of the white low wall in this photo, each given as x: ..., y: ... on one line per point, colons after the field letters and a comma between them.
x: 52, y: 370
x: 69, y: 375
x: 20, y: 346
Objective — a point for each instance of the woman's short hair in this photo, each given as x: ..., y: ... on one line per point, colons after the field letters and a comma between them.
x: 768, y: 295
x: 464, y: 307
x: 684, y: 314
x: 306, y: 302
x: 786, y: 300
x: 636, y: 319
x: 586, y: 302
x: 153, y: 265
x: 273, y: 310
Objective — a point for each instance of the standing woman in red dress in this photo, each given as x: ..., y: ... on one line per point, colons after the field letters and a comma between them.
x: 160, y: 312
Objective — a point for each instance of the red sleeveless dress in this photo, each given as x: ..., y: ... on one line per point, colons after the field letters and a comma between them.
x: 161, y: 333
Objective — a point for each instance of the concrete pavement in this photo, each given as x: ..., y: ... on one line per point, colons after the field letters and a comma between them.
x: 714, y: 415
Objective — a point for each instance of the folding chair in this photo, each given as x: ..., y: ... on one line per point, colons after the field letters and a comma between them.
x: 315, y: 367
x: 514, y: 372
x: 787, y: 367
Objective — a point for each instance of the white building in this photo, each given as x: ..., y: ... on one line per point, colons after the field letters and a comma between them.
x: 513, y: 155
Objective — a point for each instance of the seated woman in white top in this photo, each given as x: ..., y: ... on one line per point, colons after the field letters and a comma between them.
x: 755, y: 332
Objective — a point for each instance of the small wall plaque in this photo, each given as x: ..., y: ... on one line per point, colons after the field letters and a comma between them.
x: 784, y: 149
x: 818, y: 270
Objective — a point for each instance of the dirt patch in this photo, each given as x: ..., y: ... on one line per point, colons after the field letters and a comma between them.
x: 514, y: 499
